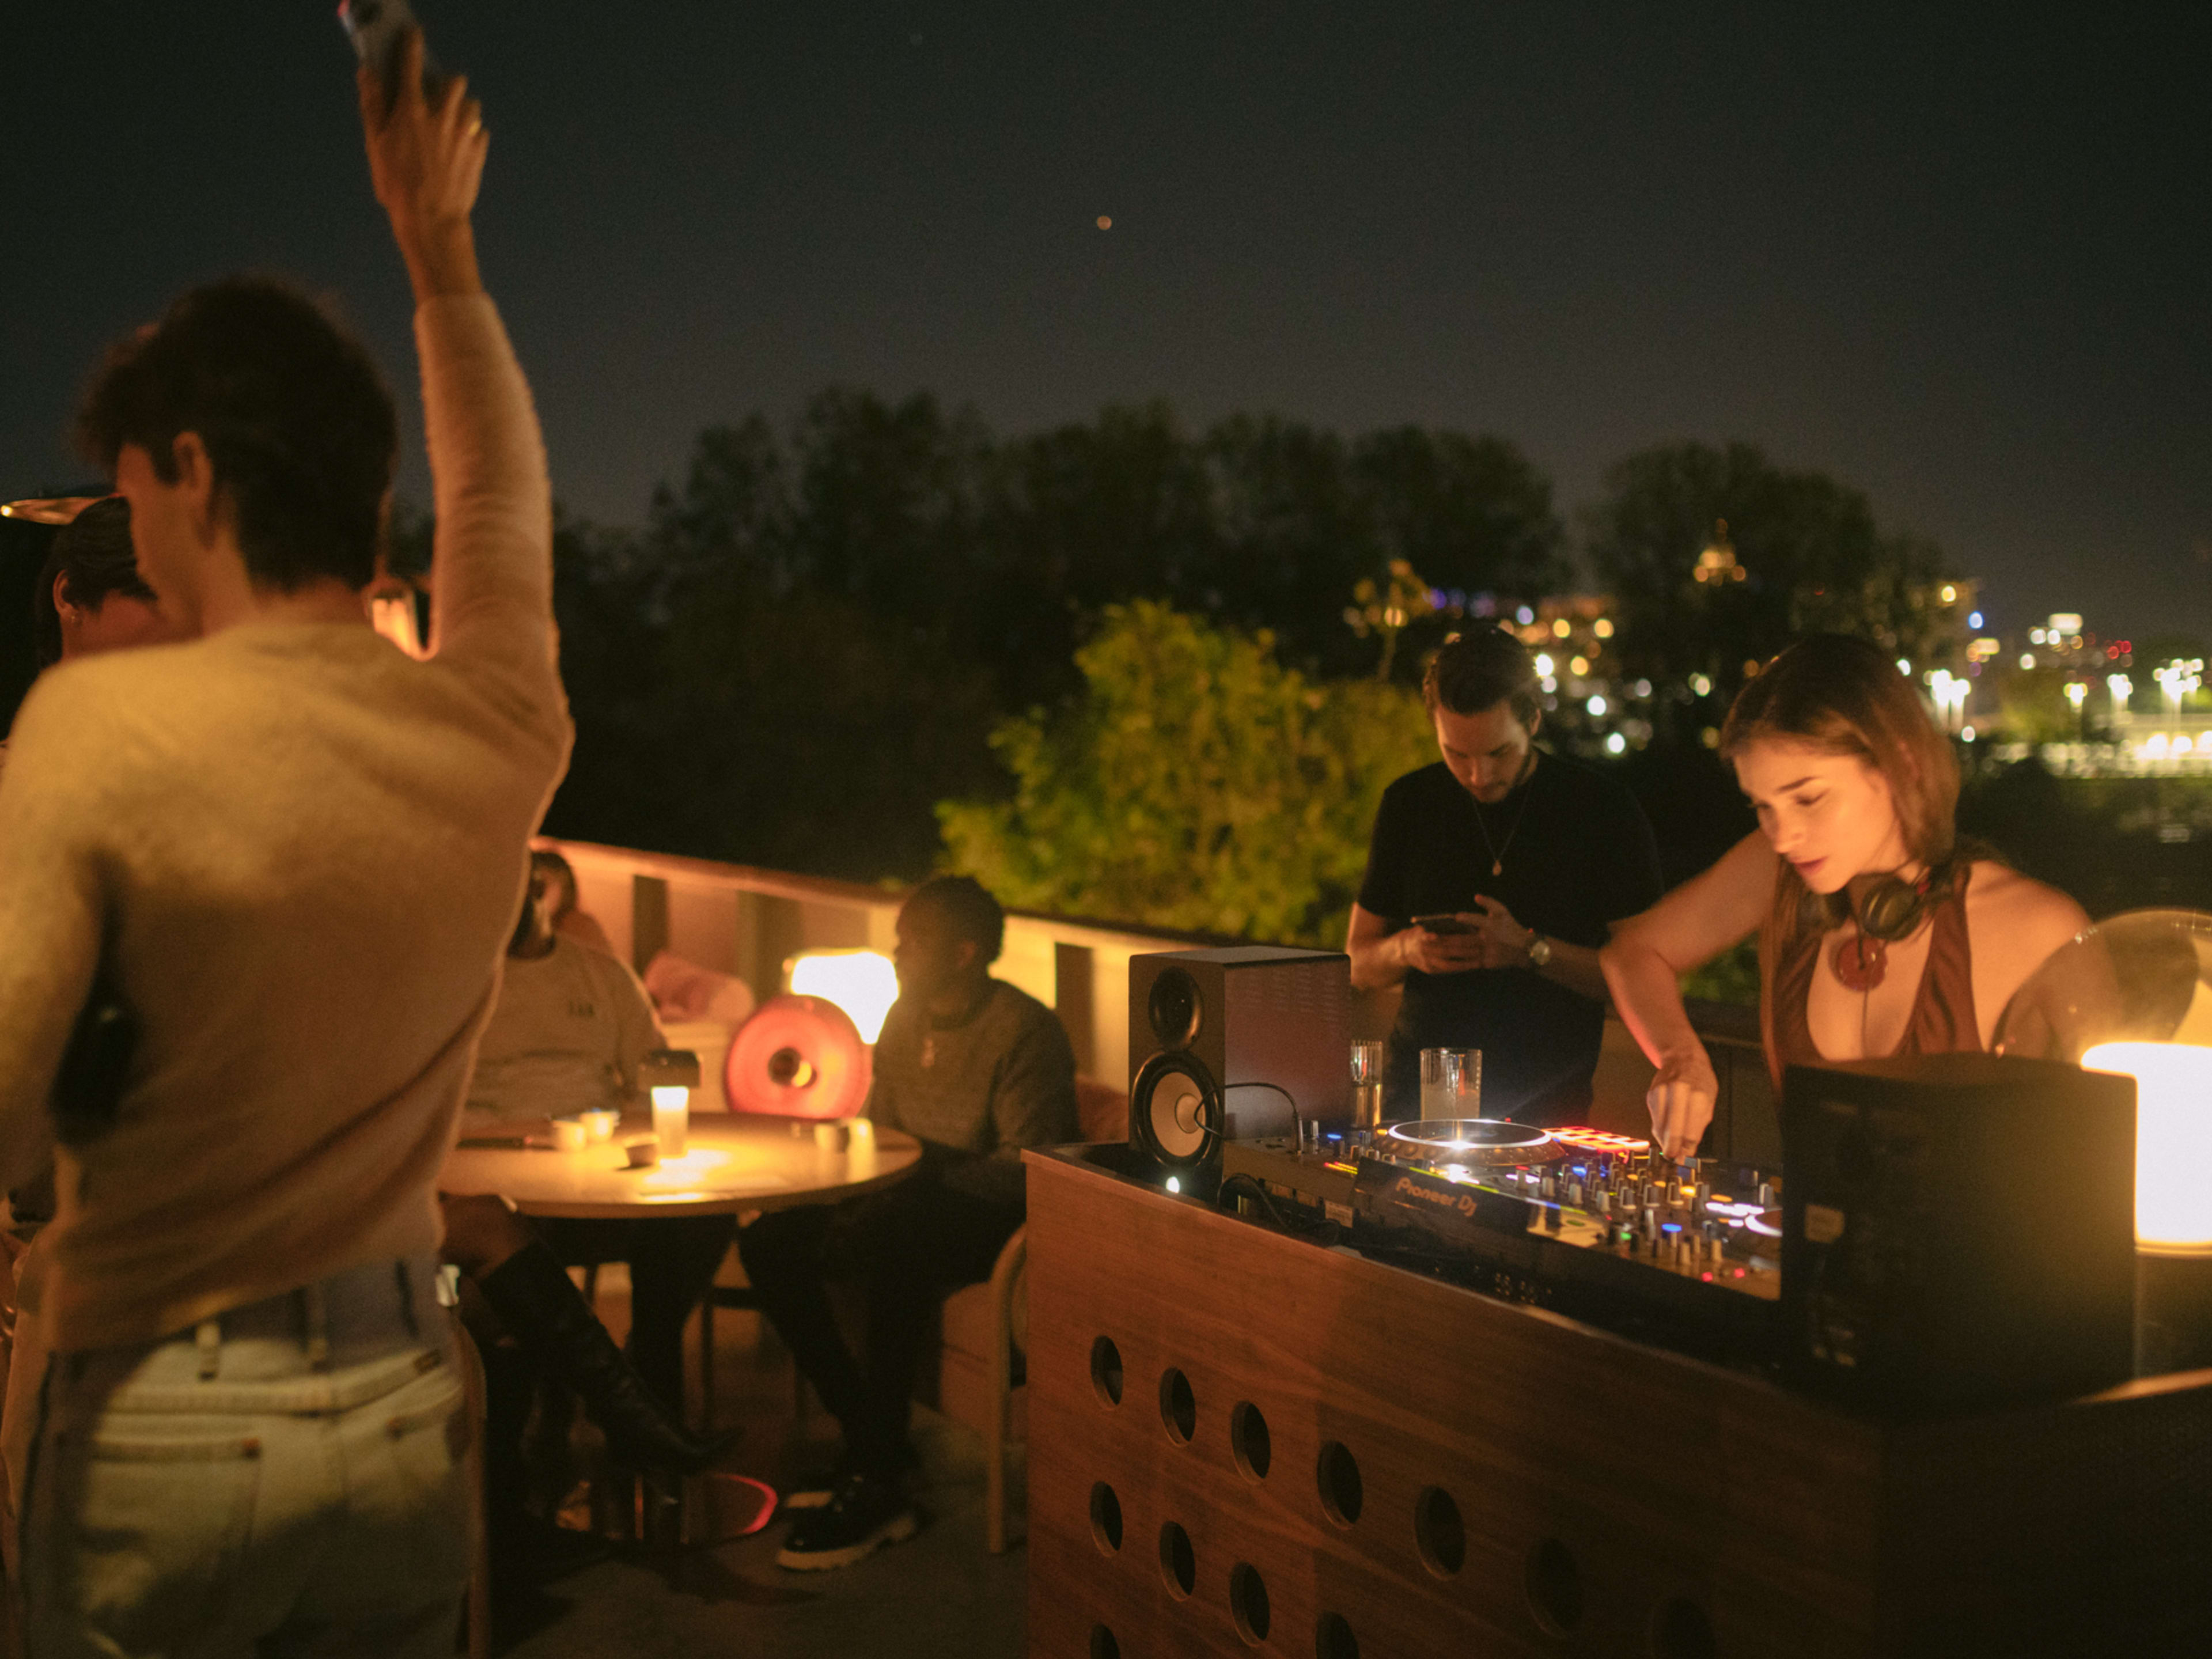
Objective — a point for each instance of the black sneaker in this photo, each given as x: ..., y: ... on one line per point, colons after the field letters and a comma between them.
x: 862, y: 1516
x: 816, y: 1492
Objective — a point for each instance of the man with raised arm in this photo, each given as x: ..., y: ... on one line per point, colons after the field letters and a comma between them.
x: 290, y: 854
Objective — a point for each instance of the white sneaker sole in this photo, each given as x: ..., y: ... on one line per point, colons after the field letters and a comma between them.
x: 896, y: 1530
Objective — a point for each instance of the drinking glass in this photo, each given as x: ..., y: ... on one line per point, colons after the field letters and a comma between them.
x: 1451, y: 1083
x: 1366, y: 1085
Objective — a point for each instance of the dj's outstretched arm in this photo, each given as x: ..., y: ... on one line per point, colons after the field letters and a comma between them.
x: 1643, y: 965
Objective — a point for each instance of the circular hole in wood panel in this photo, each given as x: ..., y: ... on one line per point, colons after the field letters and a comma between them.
x: 1103, y: 1644
x: 1248, y: 1440
x: 1339, y: 1479
x: 1178, y: 1405
x: 1106, y: 1370
x: 1679, y: 1629
x: 1439, y: 1532
x: 1555, y: 1587
x: 1105, y: 1518
x: 1178, y: 1565
x: 1333, y: 1639
x: 1247, y: 1602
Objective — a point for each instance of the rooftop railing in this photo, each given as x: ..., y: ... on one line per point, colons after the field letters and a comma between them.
x: 750, y: 922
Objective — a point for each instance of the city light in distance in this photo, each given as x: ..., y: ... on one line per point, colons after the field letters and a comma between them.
x: 1973, y: 619
x: 1544, y: 664
x: 1561, y: 628
x: 1596, y: 705
x: 1700, y: 685
x: 1615, y: 743
x: 1602, y: 627
x: 1579, y: 665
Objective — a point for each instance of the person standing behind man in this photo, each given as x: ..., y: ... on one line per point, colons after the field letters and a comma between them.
x: 976, y: 1070
x: 1521, y: 860
x: 292, y: 854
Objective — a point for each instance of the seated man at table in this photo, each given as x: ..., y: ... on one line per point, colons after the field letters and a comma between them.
x: 566, y: 1036
x: 976, y: 1070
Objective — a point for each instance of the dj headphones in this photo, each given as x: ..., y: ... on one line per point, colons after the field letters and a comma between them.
x: 1892, y: 909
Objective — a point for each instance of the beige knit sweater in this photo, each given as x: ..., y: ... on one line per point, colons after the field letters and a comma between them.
x: 306, y: 852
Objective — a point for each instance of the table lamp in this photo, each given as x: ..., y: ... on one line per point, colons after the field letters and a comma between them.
x: 2133, y: 994
x: 864, y: 983
x: 670, y: 1075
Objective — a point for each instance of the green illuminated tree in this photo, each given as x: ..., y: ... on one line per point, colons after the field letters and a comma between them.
x: 1197, y: 783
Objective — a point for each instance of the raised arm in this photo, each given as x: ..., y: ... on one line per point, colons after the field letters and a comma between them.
x: 1643, y: 964
x: 492, y: 572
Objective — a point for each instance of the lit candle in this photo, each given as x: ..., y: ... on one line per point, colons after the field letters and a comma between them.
x: 670, y: 1075
x: 671, y: 1117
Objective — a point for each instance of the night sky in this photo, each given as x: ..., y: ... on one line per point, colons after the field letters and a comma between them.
x: 1960, y: 263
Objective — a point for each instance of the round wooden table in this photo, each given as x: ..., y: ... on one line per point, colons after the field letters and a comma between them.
x: 731, y: 1163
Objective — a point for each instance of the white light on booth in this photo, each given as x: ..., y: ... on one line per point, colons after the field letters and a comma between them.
x: 861, y: 982
x: 2173, y: 1140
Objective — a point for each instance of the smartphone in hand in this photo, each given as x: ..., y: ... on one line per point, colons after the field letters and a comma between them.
x: 1443, y: 924
x: 377, y: 28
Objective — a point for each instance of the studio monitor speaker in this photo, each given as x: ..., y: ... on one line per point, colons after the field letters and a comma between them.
x: 1958, y: 1230
x: 1237, y: 1043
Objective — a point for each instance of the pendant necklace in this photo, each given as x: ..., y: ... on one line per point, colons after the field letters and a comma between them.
x: 1496, y: 853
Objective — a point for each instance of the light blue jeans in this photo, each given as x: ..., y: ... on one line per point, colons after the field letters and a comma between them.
x: 287, y: 1480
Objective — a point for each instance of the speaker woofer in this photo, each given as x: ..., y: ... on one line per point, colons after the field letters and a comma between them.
x: 1175, y: 1111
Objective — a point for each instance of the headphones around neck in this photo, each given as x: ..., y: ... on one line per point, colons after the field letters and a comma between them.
x: 1893, y: 909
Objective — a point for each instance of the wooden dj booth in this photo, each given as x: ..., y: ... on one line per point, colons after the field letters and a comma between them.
x: 1241, y: 1440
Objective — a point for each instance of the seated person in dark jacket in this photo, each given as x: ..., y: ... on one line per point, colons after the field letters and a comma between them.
x: 976, y: 1070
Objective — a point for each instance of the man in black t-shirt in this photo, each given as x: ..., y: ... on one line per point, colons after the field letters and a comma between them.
x: 1531, y: 858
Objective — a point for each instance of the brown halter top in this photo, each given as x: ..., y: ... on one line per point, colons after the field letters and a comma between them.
x: 1942, y: 1019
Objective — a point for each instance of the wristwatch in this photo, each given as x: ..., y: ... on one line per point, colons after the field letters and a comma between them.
x: 1540, y: 950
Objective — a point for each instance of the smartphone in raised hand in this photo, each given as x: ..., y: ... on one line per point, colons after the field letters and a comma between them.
x: 1445, y: 923
x: 378, y: 28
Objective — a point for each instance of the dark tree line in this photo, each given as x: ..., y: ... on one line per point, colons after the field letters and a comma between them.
x: 806, y: 647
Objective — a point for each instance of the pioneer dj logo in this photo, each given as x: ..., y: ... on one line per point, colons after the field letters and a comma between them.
x: 1463, y: 1203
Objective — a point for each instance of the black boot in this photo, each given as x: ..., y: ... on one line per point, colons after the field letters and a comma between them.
x: 531, y: 1293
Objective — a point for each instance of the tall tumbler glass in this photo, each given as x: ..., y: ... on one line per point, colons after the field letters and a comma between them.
x: 1451, y: 1083
x: 1366, y: 1085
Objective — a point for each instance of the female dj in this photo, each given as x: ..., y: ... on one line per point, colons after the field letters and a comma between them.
x: 1877, y: 933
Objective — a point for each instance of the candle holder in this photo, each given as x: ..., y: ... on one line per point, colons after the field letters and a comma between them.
x: 668, y: 1076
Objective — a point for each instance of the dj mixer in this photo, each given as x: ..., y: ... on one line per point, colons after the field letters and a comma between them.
x: 1585, y: 1223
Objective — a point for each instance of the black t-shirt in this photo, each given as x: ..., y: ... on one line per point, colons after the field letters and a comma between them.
x: 1581, y: 855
